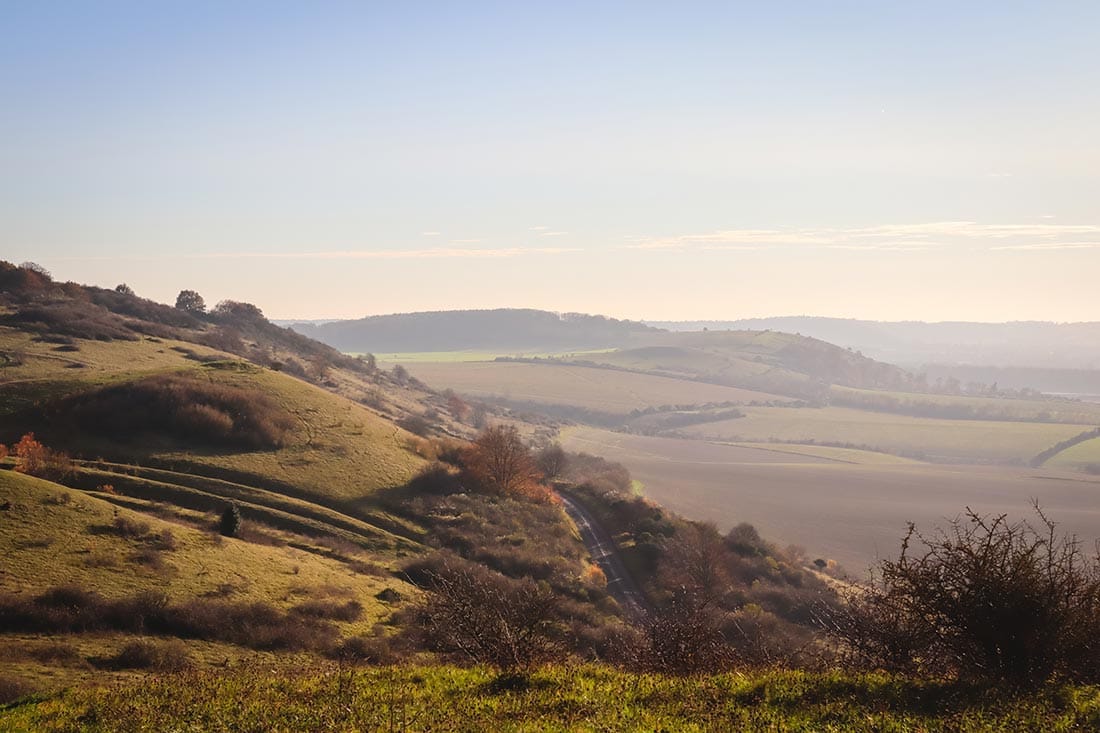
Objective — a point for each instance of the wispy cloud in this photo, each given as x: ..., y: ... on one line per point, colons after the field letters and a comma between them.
x: 886, y: 238
x: 398, y: 254
x: 384, y: 254
x: 430, y: 234
x: 1042, y: 246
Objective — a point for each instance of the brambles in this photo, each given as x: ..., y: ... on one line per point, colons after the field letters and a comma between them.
x: 984, y: 599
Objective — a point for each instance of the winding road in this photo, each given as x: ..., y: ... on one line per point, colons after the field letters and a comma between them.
x: 602, y: 549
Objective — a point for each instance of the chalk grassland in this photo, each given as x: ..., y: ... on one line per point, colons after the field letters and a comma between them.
x: 1083, y: 456
x: 925, y: 438
x: 336, y: 449
x: 604, y: 390
x: 54, y: 536
x: 853, y: 513
x: 584, y: 698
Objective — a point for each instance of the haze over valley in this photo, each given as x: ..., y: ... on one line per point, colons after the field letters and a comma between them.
x: 700, y: 366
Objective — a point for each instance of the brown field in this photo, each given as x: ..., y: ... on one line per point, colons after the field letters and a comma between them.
x: 603, y: 390
x: 853, y: 513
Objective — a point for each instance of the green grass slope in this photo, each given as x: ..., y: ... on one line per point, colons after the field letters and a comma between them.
x: 588, y: 698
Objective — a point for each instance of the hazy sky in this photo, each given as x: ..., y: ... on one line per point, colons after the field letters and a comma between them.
x: 670, y: 160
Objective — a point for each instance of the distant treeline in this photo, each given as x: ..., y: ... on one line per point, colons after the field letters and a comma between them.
x: 500, y: 329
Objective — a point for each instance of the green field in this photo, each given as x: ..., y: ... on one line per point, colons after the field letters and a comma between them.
x: 850, y: 512
x: 602, y: 390
x: 1080, y: 457
x: 262, y: 697
x: 962, y: 441
x: 996, y: 408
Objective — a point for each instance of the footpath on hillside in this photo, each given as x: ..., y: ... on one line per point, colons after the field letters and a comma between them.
x: 602, y: 548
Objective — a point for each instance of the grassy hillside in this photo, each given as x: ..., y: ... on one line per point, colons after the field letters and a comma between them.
x: 586, y: 698
x: 53, y: 537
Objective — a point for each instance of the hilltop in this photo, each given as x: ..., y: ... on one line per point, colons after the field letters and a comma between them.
x: 1033, y: 344
x: 502, y: 329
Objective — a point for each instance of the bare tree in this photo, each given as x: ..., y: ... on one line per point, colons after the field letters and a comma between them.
x: 552, y: 461
x: 500, y: 463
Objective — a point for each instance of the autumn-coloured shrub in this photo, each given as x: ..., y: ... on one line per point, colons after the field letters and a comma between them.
x: 35, y: 459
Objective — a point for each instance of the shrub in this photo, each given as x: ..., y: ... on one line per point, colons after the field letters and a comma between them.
x: 158, y: 656
x: 230, y: 523
x: 182, y: 406
x: 983, y: 599
x: 482, y: 617
x: 14, y: 688
x: 332, y: 610
x: 35, y: 459
x: 367, y: 650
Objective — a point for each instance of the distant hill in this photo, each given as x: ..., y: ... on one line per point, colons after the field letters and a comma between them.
x: 916, y: 343
x: 502, y: 329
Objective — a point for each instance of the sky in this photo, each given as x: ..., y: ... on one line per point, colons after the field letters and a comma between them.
x: 881, y: 160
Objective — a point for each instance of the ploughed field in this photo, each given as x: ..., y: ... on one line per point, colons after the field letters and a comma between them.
x: 847, y: 505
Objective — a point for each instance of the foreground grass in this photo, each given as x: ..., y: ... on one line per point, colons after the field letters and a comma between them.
x: 258, y: 696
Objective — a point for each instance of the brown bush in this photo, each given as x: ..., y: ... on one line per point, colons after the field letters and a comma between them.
x: 157, y: 656
x: 481, y: 617
x: 331, y: 610
x: 14, y: 688
x: 368, y: 650
x: 68, y: 609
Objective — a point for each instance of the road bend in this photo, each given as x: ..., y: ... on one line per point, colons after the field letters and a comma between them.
x: 602, y: 548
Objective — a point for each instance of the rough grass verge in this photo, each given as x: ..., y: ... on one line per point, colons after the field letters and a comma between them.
x: 556, y: 698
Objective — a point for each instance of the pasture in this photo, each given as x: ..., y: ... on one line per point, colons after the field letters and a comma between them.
x: 933, y: 439
x: 588, y: 388
x: 853, y: 513
x: 1079, y: 457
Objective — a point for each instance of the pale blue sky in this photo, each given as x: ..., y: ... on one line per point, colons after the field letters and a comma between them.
x: 660, y: 160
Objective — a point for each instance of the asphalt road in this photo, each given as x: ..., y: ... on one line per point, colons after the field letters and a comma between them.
x: 603, y: 551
